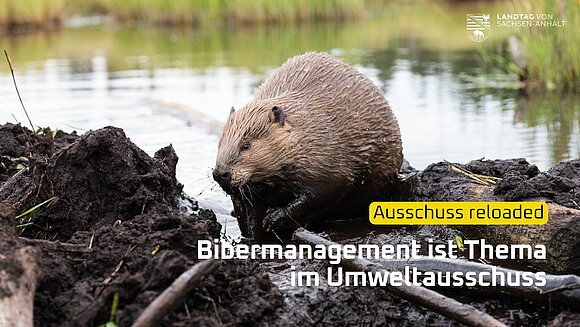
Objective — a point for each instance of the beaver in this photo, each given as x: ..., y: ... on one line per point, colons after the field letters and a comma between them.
x: 318, y: 139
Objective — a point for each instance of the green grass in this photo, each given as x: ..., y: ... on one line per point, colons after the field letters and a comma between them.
x: 39, y: 13
x: 36, y: 207
x: 200, y: 12
x: 27, y: 222
x: 552, y: 52
x: 35, y: 13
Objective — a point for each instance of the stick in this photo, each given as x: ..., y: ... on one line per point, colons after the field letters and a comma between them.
x: 19, y: 274
x: 56, y: 246
x: 460, y: 312
x: 564, y: 289
x: 176, y: 293
x: 16, y: 87
x: 117, y: 268
x: 481, y: 179
x: 13, y: 177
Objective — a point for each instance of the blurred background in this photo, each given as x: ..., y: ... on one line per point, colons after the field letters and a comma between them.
x: 169, y: 71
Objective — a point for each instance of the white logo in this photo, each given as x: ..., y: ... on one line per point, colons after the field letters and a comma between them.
x: 478, y: 27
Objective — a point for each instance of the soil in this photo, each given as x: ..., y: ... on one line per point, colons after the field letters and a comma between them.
x: 101, y: 190
x: 112, y: 194
x: 520, y: 180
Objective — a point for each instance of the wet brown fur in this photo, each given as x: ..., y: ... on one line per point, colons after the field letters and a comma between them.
x: 338, y: 134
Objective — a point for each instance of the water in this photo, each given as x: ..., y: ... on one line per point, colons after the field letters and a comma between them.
x: 177, y: 86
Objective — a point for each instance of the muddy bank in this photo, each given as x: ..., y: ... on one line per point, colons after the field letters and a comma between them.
x: 124, y: 209
x: 111, y: 195
x: 520, y: 180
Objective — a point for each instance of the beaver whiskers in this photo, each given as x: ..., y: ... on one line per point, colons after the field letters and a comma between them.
x: 301, y: 148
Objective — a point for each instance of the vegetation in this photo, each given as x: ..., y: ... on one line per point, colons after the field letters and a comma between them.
x: 233, y: 11
x: 552, y: 52
x: 37, y: 13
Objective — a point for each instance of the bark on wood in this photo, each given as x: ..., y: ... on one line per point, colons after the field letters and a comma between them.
x: 563, y: 289
x: 19, y: 272
x: 561, y: 235
x: 422, y: 296
x: 176, y: 293
x: 55, y: 245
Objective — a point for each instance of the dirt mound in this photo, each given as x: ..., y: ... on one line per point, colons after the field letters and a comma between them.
x: 110, y: 194
x: 100, y: 178
x: 561, y: 183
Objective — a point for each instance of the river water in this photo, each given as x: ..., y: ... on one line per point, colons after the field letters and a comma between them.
x: 168, y: 86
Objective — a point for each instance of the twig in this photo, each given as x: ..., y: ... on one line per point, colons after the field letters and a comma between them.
x: 427, y: 298
x: 13, y: 177
x: 108, y: 280
x: 187, y: 310
x: 16, y: 87
x: 480, y: 179
x: 176, y: 293
x: 215, y: 310
x: 56, y: 246
x: 16, y: 160
x: 15, y: 119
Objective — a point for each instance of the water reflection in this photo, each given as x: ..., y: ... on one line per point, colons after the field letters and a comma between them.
x: 559, y: 114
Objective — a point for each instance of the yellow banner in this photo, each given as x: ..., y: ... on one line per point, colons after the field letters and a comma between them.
x: 458, y: 213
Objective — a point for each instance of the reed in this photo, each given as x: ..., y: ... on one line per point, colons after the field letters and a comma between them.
x: 230, y: 12
x: 552, y: 52
x: 16, y: 14
x: 40, y: 13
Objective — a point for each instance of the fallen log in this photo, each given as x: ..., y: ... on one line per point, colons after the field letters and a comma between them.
x: 19, y: 273
x: 561, y: 235
x: 562, y: 289
x: 176, y: 293
x: 422, y: 296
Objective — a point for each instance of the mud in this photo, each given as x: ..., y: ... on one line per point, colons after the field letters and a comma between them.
x: 520, y: 180
x: 112, y: 195
x: 129, y: 207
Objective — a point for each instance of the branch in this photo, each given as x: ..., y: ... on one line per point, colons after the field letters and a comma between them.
x: 19, y: 273
x: 55, y: 246
x: 564, y: 289
x: 176, y: 293
x: 463, y: 313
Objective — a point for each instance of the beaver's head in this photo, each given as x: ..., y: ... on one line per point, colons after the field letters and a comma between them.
x: 251, y: 150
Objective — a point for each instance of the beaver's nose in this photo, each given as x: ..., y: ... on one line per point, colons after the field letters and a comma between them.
x: 222, y: 176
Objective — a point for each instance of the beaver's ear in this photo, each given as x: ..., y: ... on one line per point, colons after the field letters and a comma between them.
x: 278, y: 115
x: 232, y: 110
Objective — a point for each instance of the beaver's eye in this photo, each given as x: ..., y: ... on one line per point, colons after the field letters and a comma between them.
x: 246, y: 146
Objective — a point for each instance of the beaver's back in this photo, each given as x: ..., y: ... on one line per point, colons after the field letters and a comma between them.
x: 340, y: 119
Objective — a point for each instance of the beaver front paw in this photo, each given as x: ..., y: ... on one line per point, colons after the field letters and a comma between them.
x: 276, y: 219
